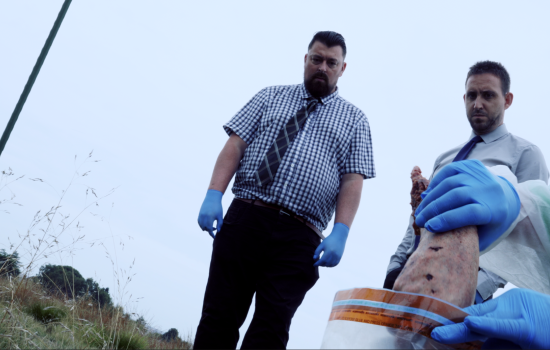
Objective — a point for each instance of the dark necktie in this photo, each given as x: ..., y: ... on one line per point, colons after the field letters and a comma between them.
x: 467, y: 148
x: 272, y: 160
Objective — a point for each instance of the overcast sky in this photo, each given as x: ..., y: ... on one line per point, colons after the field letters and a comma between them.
x: 147, y: 85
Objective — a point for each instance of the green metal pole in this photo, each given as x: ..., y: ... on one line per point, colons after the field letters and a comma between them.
x: 34, y: 74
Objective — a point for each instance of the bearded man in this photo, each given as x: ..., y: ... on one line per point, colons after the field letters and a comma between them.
x: 486, y: 99
x: 300, y: 153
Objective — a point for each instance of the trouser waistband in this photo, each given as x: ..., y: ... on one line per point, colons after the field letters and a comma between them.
x: 283, y: 211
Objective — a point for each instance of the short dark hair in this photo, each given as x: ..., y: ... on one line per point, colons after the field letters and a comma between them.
x: 330, y: 39
x: 494, y: 68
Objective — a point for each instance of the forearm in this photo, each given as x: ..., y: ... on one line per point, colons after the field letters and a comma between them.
x: 349, y: 198
x: 227, y: 163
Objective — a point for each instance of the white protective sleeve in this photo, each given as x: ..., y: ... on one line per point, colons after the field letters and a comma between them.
x: 522, y: 254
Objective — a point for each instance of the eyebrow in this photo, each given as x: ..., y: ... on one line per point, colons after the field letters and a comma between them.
x: 474, y: 90
x: 327, y: 58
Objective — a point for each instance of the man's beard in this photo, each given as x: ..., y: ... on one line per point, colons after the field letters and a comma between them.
x: 318, y: 88
x: 483, y: 126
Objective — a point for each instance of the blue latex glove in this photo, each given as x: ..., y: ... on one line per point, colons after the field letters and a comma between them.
x: 521, y: 316
x: 332, y: 246
x: 211, y: 210
x: 466, y: 193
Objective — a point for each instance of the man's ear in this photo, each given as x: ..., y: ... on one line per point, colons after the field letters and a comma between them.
x: 305, y: 59
x: 344, y: 65
x: 464, y: 98
x: 508, y: 99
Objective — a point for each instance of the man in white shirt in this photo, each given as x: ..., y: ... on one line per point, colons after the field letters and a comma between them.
x: 486, y: 99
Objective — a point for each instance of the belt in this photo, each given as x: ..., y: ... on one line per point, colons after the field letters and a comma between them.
x: 283, y: 211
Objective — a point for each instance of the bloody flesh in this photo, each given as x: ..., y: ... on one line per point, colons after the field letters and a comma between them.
x: 419, y: 185
x: 444, y: 265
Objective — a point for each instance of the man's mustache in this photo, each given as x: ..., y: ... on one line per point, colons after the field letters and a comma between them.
x: 479, y: 112
x: 321, y: 75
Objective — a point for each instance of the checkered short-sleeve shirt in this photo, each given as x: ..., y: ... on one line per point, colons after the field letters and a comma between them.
x: 334, y: 141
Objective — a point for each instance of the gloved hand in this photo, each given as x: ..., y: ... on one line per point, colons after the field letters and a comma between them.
x: 211, y: 210
x: 466, y: 193
x: 332, y: 246
x: 521, y: 316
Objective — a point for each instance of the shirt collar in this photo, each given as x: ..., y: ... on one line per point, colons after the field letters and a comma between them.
x: 324, y: 100
x: 493, y: 135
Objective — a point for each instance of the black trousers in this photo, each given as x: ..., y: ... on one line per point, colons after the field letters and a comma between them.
x: 258, y: 250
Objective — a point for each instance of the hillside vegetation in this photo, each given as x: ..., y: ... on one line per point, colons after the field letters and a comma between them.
x: 59, y: 308
x: 34, y: 316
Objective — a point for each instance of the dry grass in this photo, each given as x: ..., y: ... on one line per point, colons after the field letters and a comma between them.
x: 76, y: 324
x: 31, y: 318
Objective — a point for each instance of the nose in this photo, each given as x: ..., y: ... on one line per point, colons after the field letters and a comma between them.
x: 323, y: 66
x: 478, y: 103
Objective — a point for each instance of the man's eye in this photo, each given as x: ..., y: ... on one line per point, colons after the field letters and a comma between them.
x: 316, y: 60
x: 488, y: 95
x: 472, y: 96
x: 332, y: 64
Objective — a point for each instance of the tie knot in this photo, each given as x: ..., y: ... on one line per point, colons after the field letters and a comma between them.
x: 476, y: 139
x: 463, y: 154
x: 312, y: 104
x: 312, y: 100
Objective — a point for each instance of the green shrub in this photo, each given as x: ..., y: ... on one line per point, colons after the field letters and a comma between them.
x: 171, y: 335
x: 45, y: 313
x: 9, y: 263
x: 64, y: 279
x: 122, y: 340
x: 68, y: 281
x: 127, y: 340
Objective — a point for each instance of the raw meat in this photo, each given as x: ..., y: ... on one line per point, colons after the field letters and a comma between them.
x: 445, y: 265
x: 420, y: 184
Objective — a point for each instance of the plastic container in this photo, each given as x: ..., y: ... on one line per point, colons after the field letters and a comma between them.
x: 369, y: 318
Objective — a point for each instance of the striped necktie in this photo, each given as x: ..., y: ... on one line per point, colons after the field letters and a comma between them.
x: 272, y: 160
x: 467, y: 148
